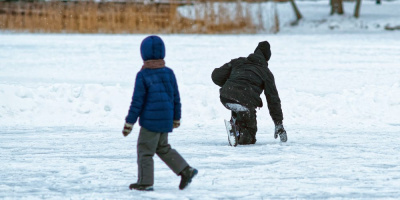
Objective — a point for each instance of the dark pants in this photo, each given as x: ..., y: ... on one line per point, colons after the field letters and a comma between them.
x: 246, y: 120
x: 150, y: 143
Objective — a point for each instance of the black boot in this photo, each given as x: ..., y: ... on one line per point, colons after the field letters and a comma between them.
x: 135, y: 186
x: 247, y: 136
x: 246, y: 139
x: 186, y: 176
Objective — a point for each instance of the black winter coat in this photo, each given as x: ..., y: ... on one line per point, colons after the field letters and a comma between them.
x: 242, y: 80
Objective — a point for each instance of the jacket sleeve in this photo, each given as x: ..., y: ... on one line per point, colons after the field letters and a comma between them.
x: 273, y: 100
x: 138, y: 98
x: 177, y: 100
x: 221, y: 75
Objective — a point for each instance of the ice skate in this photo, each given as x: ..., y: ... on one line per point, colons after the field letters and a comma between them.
x: 232, y: 131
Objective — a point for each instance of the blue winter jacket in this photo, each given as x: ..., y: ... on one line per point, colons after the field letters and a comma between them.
x: 155, y: 99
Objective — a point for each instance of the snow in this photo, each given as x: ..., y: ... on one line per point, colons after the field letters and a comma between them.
x: 63, y: 100
x: 348, y: 80
x: 316, y: 16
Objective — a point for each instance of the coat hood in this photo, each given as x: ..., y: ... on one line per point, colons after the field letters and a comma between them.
x: 152, y: 48
x: 265, y: 48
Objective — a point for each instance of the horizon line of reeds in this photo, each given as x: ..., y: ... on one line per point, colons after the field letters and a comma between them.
x: 128, y: 17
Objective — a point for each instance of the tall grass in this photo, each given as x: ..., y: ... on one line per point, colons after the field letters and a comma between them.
x: 131, y: 17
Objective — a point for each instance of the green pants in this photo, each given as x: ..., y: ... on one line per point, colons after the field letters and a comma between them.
x: 150, y: 143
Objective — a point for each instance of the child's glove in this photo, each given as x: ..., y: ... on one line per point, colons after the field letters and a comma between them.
x: 127, y: 129
x: 177, y: 123
x: 279, y: 130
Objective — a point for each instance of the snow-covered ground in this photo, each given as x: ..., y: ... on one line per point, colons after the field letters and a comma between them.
x: 63, y: 100
x: 316, y: 16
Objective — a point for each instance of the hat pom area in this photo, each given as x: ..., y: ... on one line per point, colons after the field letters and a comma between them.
x: 152, y: 48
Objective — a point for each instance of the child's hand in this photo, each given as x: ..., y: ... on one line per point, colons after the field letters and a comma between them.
x: 177, y: 123
x: 279, y: 130
x: 127, y: 129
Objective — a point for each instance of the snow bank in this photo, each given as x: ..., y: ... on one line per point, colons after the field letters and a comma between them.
x: 63, y: 105
x: 98, y: 105
x: 345, y: 81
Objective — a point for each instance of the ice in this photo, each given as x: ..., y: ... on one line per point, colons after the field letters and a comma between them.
x: 80, y: 163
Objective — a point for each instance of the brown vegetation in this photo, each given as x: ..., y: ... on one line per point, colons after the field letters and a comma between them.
x: 126, y: 17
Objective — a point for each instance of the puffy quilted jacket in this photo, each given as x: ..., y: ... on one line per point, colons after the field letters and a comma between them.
x: 155, y: 99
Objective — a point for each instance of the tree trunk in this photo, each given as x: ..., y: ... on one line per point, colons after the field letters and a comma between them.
x: 357, y: 9
x: 296, y: 10
x: 276, y: 20
x: 340, y: 7
x: 337, y: 7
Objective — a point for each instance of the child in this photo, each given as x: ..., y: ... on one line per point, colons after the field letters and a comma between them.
x: 156, y: 103
x: 242, y: 80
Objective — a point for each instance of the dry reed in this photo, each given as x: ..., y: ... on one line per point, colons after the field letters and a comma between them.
x: 128, y: 17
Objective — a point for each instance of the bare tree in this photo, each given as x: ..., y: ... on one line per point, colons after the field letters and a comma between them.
x: 296, y: 10
x: 275, y: 29
x: 357, y: 9
x: 337, y: 7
